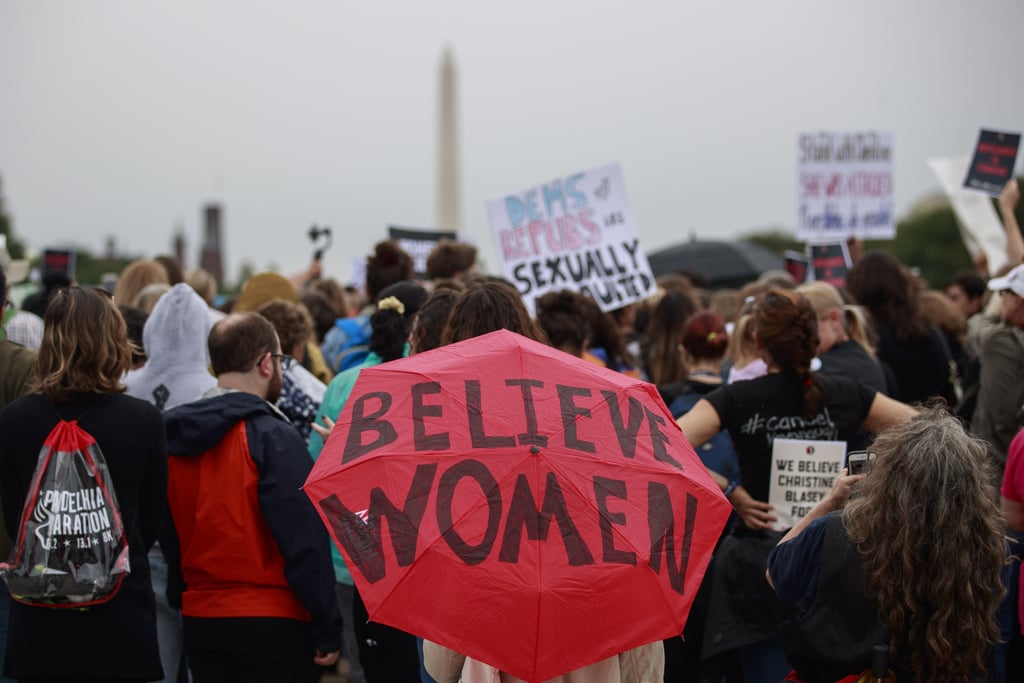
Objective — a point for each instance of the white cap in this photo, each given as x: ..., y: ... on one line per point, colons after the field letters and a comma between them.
x: 1014, y: 280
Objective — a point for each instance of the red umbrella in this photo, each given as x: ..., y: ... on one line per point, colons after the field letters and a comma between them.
x: 518, y: 505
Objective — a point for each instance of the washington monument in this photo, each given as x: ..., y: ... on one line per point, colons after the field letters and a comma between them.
x: 448, y: 215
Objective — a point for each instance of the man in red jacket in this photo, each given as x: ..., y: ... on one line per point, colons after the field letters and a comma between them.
x: 258, y: 601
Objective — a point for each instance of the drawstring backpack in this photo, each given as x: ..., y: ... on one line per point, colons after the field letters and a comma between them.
x: 71, y: 549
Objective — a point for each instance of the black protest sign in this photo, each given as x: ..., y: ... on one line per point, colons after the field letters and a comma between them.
x: 830, y: 263
x: 993, y: 161
x: 59, y: 261
x: 419, y: 244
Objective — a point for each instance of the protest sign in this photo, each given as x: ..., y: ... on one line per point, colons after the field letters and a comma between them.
x: 797, y: 265
x: 358, y: 277
x: 830, y: 263
x: 980, y: 227
x: 803, y: 473
x: 418, y: 244
x: 59, y: 261
x: 992, y: 165
x: 844, y: 186
x: 575, y: 232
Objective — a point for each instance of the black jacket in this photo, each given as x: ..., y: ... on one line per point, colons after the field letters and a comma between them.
x: 118, y: 638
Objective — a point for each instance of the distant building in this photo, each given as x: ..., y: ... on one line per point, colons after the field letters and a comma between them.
x: 211, y: 256
x: 179, y: 246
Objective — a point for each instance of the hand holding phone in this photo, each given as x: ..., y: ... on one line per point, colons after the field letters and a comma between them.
x: 857, y: 461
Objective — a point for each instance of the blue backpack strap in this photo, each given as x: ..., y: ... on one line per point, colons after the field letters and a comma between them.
x: 352, y: 327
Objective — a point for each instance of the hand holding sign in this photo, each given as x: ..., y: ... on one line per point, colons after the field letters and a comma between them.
x: 1009, y: 197
x: 755, y: 514
x: 804, y: 472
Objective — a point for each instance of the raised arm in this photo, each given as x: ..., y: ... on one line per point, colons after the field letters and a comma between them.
x: 835, y: 500
x: 1008, y: 199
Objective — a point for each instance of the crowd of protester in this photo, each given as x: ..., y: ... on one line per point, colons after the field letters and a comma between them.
x: 913, y: 554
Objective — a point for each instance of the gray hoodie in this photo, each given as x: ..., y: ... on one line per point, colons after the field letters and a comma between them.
x: 174, y: 338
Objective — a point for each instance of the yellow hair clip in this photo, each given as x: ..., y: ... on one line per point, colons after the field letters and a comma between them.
x: 389, y: 303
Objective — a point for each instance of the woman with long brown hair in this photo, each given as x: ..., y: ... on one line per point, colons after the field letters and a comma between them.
x: 907, y: 343
x: 790, y: 402
x: 84, y: 353
x: 489, y: 306
x: 912, y: 561
x: 663, y: 357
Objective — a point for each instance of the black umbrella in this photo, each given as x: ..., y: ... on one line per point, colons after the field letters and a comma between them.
x: 723, y: 264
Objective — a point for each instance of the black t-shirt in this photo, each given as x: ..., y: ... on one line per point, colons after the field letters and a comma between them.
x: 758, y: 411
x: 850, y: 359
x: 921, y: 365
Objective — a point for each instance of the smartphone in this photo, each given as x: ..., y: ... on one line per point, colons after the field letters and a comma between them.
x: 856, y: 461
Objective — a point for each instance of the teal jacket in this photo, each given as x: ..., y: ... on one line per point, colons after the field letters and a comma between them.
x: 335, y: 397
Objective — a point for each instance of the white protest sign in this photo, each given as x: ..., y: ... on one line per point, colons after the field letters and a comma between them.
x: 803, y: 473
x: 844, y: 186
x: 980, y: 227
x: 358, y: 277
x: 575, y: 232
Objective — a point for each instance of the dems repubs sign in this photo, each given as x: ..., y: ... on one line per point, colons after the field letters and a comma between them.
x: 575, y: 232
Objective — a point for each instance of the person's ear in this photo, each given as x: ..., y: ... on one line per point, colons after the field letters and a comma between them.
x: 266, y: 364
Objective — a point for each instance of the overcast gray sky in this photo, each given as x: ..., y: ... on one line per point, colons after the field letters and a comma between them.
x: 123, y: 117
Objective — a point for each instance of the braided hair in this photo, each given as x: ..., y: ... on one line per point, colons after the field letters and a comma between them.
x: 787, y: 327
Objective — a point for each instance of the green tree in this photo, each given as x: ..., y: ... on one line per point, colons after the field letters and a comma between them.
x: 90, y: 269
x: 928, y: 241
x: 245, y: 271
x: 15, y: 246
x: 778, y: 240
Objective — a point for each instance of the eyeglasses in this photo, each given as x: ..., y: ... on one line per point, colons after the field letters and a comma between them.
x: 286, y: 360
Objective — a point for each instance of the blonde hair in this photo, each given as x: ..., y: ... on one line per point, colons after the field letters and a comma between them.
x: 204, y: 284
x: 135, y: 277
x: 150, y: 294
x: 742, y: 345
x: 824, y: 298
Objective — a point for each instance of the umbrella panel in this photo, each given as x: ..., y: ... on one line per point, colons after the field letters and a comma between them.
x: 536, y: 544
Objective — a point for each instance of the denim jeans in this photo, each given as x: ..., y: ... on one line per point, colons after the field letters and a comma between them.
x: 168, y: 621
